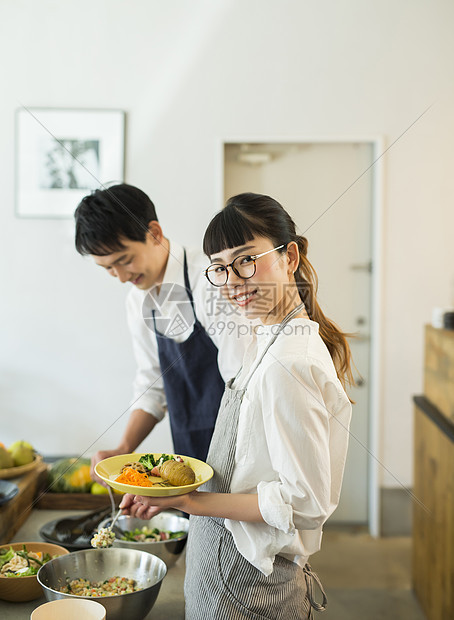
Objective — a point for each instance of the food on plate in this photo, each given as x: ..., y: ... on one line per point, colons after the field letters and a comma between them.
x: 153, y: 464
x: 103, y: 538
x: 137, y: 466
x: 146, y: 534
x: 22, y: 563
x: 177, y: 473
x: 131, y: 476
x: 109, y: 587
x: 70, y: 476
x: 171, y: 469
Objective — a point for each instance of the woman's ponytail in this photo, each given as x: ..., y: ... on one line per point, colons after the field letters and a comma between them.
x: 335, y: 340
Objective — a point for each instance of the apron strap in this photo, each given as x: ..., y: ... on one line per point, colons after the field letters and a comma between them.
x: 283, y: 323
x: 312, y: 579
x: 187, y: 283
x: 188, y: 291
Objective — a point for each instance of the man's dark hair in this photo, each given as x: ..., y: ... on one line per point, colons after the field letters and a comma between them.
x: 107, y: 216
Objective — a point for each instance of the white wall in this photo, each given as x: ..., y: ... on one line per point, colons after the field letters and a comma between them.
x: 188, y: 73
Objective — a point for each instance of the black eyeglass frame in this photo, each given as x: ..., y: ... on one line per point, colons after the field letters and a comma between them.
x: 254, y: 257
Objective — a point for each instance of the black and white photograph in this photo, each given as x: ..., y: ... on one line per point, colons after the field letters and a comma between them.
x: 61, y: 154
x: 69, y: 164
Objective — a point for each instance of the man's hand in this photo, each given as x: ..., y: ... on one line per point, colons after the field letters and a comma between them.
x: 99, y: 456
x: 139, y: 426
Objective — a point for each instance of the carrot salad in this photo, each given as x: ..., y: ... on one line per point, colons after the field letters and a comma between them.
x: 131, y: 476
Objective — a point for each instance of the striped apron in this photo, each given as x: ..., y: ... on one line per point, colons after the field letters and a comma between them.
x: 220, y: 584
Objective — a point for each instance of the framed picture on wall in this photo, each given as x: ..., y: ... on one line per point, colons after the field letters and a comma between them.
x: 62, y: 155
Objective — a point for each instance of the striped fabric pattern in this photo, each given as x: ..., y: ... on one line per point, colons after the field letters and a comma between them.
x: 220, y: 584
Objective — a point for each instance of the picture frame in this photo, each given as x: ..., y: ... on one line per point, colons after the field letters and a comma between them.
x: 64, y: 154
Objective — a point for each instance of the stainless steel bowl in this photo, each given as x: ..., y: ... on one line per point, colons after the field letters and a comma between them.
x: 167, y: 550
x: 101, y: 564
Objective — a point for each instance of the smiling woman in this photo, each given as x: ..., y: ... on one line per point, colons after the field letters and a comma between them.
x: 268, y: 282
x: 279, y: 446
x: 244, y: 266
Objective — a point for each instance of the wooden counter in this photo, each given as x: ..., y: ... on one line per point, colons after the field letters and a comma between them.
x: 433, y: 506
x: 15, y: 512
x: 439, y: 369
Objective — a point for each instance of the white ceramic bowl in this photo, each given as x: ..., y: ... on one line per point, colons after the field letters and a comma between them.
x: 70, y: 609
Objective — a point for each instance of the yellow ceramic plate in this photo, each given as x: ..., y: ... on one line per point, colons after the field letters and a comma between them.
x: 13, y: 472
x: 109, y: 469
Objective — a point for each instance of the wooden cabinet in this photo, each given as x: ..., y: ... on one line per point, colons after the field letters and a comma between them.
x: 433, y: 503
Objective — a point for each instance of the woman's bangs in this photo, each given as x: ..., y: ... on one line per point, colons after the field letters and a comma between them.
x: 228, y: 229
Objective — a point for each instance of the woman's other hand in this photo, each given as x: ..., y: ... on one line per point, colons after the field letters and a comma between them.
x: 147, y: 507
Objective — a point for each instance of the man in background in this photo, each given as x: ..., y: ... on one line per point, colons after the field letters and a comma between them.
x: 170, y: 309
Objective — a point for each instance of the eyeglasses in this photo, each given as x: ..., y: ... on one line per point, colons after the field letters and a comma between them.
x: 243, y: 266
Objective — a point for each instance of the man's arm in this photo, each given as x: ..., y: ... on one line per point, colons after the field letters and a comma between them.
x: 140, y: 424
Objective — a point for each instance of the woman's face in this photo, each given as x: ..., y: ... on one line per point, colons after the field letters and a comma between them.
x: 269, y: 292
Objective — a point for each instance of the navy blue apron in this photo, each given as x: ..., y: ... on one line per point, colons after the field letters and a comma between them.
x: 193, y: 385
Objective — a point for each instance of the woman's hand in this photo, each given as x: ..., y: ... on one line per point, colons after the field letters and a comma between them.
x: 147, y: 507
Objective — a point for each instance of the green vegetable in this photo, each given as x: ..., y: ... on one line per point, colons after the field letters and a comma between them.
x: 149, y: 533
x: 149, y: 461
x: 6, y: 556
x: 26, y: 573
x: 24, y: 554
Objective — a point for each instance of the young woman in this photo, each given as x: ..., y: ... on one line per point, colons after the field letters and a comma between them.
x: 280, y: 441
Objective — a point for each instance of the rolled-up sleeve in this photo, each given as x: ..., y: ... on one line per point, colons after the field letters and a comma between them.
x: 305, y: 415
x: 296, y: 417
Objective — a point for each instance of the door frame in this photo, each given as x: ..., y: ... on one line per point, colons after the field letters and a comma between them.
x: 374, y: 448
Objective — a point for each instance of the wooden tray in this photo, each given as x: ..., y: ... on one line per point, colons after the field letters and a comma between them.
x: 73, y: 501
x: 14, y: 513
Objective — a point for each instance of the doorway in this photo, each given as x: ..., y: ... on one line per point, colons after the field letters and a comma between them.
x: 310, y: 179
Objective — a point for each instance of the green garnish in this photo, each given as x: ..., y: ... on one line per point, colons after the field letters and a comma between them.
x: 154, y: 534
x: 150, y: 462
x: 6, y: 556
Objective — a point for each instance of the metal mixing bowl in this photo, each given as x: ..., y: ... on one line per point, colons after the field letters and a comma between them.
x: 167, y: 550
x: 101, y: 564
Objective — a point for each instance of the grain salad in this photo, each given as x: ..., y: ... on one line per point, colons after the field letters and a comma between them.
x: 110, y: 587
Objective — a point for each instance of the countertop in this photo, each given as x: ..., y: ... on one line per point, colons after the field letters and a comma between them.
x: 170, y: 602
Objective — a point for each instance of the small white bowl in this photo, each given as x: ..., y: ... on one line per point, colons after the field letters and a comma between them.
x: 70, y: 609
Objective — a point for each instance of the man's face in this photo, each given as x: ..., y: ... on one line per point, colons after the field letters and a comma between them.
x: 139, y: 262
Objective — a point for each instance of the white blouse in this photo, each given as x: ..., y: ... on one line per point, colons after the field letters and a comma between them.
x: 291, y: 445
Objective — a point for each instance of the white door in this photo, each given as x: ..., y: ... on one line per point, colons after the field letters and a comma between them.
x: 310, y: 180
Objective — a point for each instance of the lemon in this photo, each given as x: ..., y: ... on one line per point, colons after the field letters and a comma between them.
x: 98, y: 489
